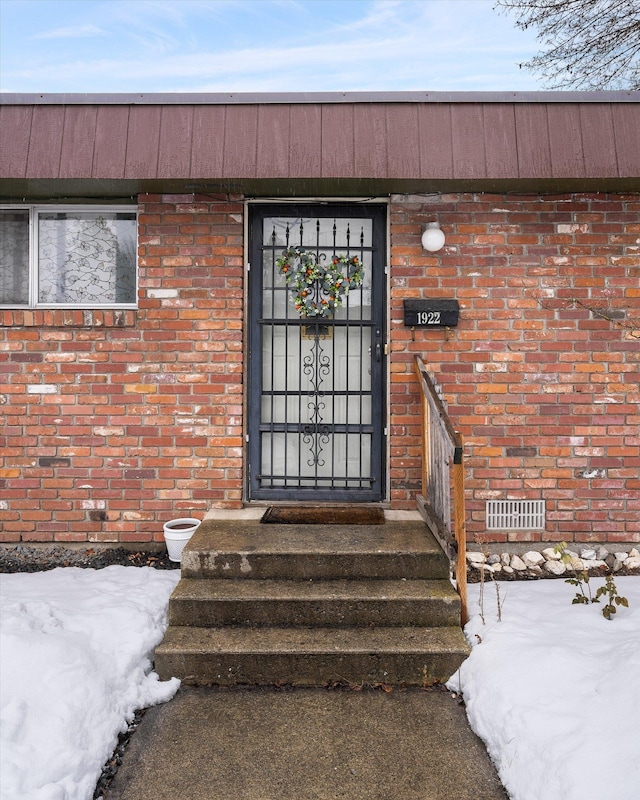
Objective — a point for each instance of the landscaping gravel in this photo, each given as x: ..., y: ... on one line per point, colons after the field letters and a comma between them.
x: 597, y: 561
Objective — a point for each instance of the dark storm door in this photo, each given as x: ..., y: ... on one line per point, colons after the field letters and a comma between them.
x: 316, y: 394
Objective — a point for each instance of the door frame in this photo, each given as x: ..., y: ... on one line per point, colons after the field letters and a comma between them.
x: 281, y: 207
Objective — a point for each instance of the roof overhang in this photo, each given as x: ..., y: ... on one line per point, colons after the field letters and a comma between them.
x: 71, y: 146
x: 287, y: 98
x: 125, y: 191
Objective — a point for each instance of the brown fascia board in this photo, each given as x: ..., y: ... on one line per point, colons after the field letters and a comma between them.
x: 261, y: 98
x: 127, y: 191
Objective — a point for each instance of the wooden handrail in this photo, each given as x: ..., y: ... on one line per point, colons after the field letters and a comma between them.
x: 442, y: 466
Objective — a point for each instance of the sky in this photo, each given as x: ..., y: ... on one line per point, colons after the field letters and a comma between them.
x: 224, y: 46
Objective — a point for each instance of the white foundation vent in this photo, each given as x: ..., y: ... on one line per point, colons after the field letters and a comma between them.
x: 515, y: 515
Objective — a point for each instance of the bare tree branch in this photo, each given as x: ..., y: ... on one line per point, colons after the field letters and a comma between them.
x: 587, y: 44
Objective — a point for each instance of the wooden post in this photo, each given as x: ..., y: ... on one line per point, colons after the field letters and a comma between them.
x: 424, y: 410
x: 460, y: 529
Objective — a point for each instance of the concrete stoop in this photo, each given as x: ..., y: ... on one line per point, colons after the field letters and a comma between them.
x: 312, y: 605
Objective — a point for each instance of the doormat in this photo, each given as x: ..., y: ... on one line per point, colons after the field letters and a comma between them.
x: 327, y: 515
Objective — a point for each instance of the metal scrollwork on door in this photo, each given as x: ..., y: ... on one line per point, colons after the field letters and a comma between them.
x: 319, y: 286
x: 315, y: 366
x: 314, y: 324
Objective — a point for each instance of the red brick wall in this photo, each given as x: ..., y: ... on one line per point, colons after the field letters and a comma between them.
x: 542, y: 372
x: 117, y: 421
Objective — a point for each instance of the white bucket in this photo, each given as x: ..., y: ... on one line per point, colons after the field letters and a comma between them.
x: 177, y: 533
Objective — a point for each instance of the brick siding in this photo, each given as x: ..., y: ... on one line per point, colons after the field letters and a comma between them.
x: 118, y: 421
x: 542, y: 372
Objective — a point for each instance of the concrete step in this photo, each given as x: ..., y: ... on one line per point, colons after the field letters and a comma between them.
x: 312, y: 605
x: 411, y: 656
x: 249, y: 549
x: 331, y: 603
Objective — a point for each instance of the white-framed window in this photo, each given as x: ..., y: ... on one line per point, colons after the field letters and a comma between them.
x: 55, y: 256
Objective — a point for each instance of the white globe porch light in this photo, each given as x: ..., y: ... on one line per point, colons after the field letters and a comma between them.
x: 433, y: 237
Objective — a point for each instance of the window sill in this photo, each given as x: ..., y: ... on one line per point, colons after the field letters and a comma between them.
x: 68, y: 318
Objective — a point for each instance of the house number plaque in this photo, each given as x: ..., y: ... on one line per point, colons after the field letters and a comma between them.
x: 431, y: 313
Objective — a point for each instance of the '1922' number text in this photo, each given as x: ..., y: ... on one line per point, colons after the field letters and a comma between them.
x: 428, y: 318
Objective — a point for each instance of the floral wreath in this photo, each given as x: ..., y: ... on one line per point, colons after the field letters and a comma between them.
x: 318, y: 290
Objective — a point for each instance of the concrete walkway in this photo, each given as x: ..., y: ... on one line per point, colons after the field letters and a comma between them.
x: 306, y: 744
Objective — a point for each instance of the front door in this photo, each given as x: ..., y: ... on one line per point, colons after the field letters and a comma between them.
x: 316, y: 393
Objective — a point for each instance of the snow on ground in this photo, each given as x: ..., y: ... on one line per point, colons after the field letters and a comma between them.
x: 554, y: 690
x: 74, y: 667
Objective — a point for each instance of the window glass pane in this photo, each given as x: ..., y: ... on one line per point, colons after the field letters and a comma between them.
x: 14, y: 257
x: 87, y: 257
